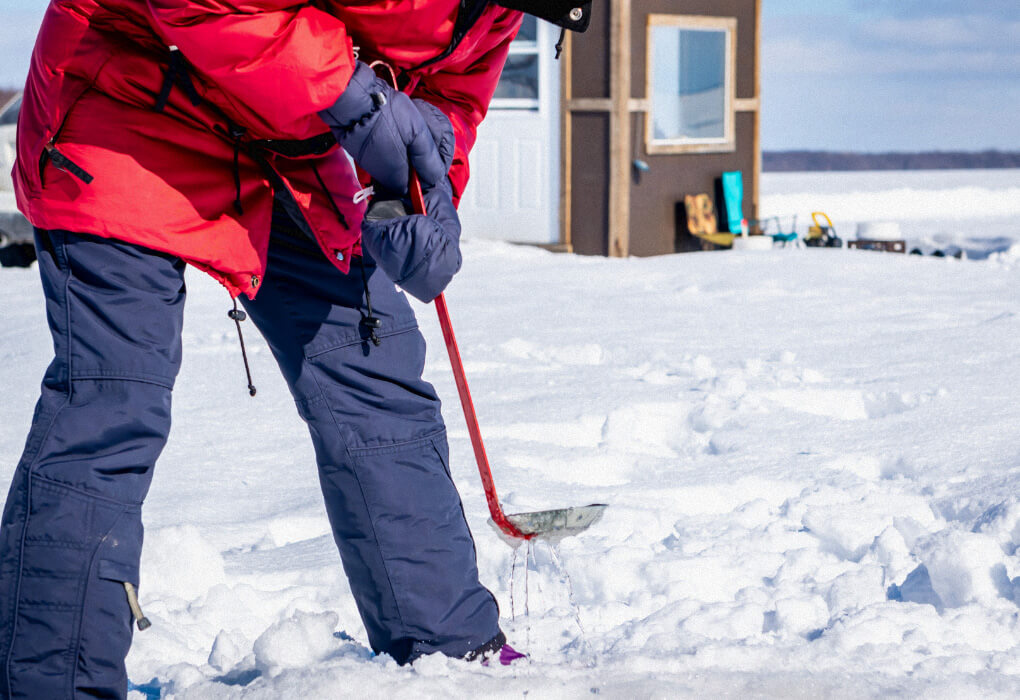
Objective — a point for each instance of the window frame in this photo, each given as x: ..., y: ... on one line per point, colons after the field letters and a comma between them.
x: 519, y: 47
x: 728, y: 142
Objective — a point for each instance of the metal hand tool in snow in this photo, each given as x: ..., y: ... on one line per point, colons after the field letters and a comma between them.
x: 546, y: 524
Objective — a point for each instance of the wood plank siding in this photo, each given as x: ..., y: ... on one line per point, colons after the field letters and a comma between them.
x: 607, y: 208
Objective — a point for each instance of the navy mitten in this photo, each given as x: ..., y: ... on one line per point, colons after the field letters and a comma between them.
x: 385, y: 132
x: 421, y: 253
x: 441, y: 129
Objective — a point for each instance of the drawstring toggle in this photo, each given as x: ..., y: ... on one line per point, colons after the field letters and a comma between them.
x: 372, y: 324
x: 236, y: 315
x: 369, y: 320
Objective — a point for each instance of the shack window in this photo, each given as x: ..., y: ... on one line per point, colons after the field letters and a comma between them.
x: 691, y: 84
x: 518, y: 84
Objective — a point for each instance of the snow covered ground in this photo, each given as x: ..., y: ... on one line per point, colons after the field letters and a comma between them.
x: 973, y: 211
x: 812, y: 459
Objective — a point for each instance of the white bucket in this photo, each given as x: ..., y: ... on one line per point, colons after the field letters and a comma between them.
x: 752, y: 243
x: 879, y: 231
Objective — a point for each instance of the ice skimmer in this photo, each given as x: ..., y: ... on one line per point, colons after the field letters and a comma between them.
x: 545, y: 524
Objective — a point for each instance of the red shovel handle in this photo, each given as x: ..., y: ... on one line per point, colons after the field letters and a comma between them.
x: 495, y: 510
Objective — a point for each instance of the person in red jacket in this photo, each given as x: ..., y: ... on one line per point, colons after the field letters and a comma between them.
x: 169, y: 133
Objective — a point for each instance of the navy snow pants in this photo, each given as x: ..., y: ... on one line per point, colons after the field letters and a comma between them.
x: 72, y: 533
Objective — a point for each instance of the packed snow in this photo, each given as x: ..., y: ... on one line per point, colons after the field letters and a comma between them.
x: 812, y: 461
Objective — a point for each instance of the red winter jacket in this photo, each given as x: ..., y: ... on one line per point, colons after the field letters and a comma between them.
x: 95, y: 155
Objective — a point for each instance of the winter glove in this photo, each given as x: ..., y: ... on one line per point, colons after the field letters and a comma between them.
x: 441, y: 129
x: 385, y: 132
x: 420, y: 253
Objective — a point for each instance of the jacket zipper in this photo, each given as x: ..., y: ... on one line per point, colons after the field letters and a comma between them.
x: 62, y: 162
x: 51, y: 154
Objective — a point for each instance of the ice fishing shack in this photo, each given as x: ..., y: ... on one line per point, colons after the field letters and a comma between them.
x: 591, y: 153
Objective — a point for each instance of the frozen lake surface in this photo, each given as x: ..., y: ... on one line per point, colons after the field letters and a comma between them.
x: 975, y: 211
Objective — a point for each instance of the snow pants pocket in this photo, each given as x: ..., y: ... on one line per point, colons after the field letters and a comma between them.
x: 72, y: 621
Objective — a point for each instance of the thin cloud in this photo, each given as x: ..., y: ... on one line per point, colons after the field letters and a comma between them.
x: 995, y: 9
x: 931, y: 47
x: 892, y: 74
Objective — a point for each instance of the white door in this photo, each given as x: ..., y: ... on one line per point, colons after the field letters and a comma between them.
x: 513, y: 194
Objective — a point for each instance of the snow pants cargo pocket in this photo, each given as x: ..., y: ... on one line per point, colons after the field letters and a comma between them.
x: 72, y: 617
x: 106, y: 629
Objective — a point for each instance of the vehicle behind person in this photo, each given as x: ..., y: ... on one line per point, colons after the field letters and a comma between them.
x: 16, y: 248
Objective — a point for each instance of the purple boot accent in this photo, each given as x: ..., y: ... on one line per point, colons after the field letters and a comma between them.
x: 507, y: 655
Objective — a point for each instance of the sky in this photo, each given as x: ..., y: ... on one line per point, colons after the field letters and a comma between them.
x: 891, y: 75
x: 861, y: 75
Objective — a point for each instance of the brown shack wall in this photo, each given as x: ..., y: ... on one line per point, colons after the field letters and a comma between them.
x: 652, y: 197
x: 589, y: 139
x: 653, y: 200
x: 589, y: 61
x: 590, y: 191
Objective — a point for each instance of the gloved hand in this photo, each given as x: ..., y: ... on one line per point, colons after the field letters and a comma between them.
x: 442, y: 131
x: 420, y: 253
x: 386, y: 133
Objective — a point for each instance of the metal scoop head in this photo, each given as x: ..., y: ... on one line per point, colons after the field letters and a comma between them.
x: 552, y: 525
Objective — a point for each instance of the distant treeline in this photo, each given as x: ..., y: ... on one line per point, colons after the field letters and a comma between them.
x: 6, y: 94
x: 801, y: 161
